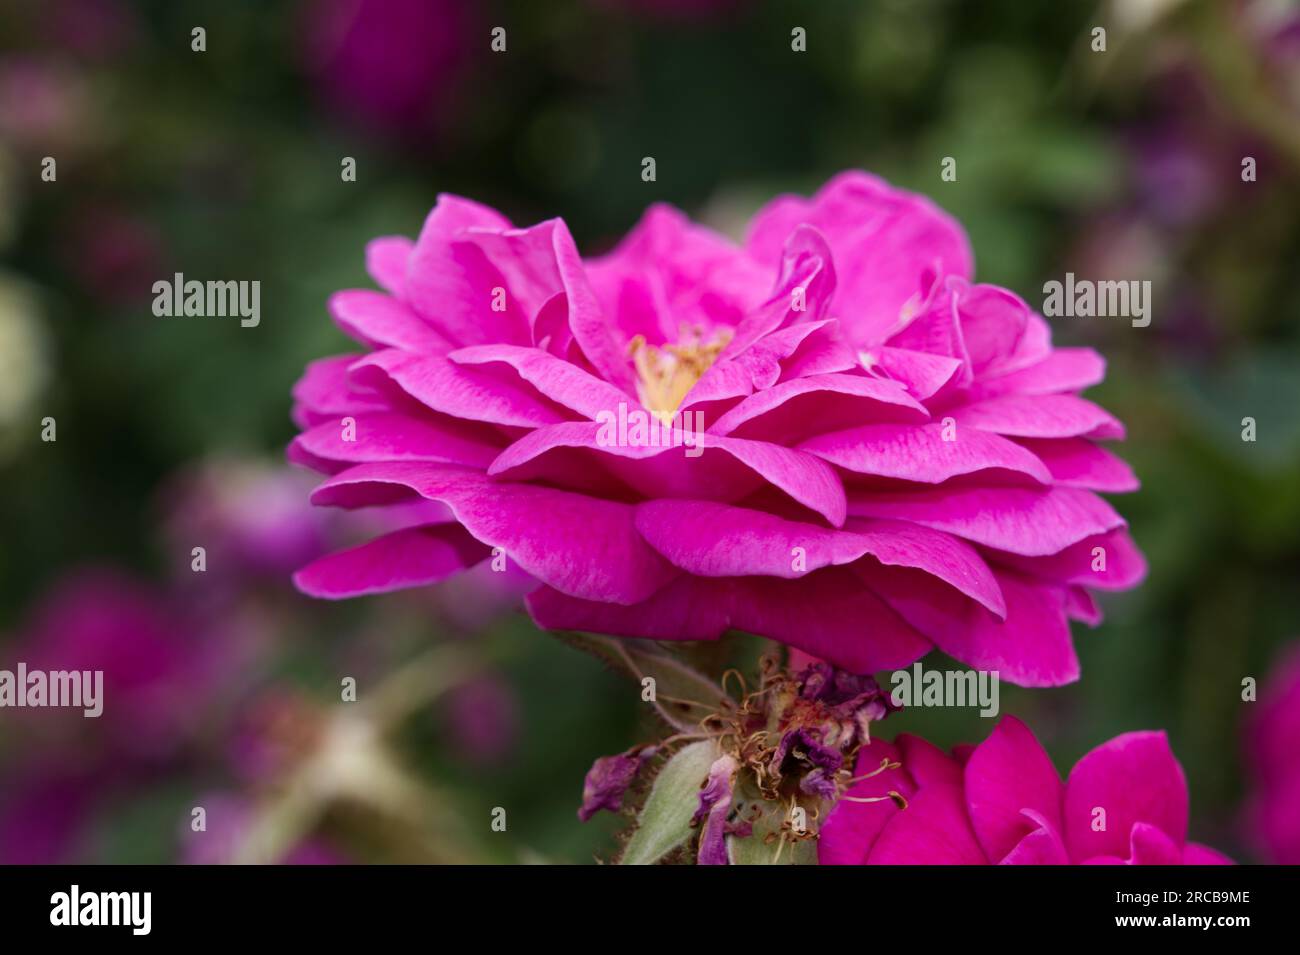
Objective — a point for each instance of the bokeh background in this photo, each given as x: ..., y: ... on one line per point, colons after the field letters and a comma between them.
x: 226, y: 164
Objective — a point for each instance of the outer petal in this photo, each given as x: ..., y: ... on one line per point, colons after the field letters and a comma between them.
x: 852, y: 827
x: 453, y: 389
x: 1042, y: 846
x: 828, y: 614
x: 1064, y: 369
x: 381, y: 321
x: 1119, y: 564
x: 926, y: 763
x: 1040, y: 416
x: 412, y: 557
x: 920, y: 453
x: 1077, y: 462
x: 932, y: 830
x: 1028, y: 521
x: 1150, y: 846
x: 580, y: 545
x: 688, y: 608
x: 1081, y: 606
x: 386, y: 261
x: 956, y: 563
x: 392, y: 436
x: 1134, y: 778
x: 718, y: 540
x: 324, y: 391
x: 1008, y: 773
x: 1032, y: 647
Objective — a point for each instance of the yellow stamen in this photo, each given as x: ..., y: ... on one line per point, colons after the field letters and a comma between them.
x: 894, y: 796
x: 665, y: 375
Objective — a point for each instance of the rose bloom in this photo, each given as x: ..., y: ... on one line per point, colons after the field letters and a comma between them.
x: 852, y: 448
x: 1002, y: 802
x: 1272, y: 741
x: 393, y: 66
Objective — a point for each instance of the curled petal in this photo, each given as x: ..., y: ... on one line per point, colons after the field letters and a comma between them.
x: 714, y: 807
x: 608, y: 780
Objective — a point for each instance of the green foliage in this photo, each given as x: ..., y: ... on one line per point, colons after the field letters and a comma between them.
x: 664, y: 823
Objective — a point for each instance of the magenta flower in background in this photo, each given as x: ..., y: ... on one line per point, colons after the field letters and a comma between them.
x: 889, y: 457
x: 248, y: 516
x: 45, y: 810
x: 156, y: 670
x: 1272, y: 742
x: 160, y: 679
x: 1003, y: 802
x: 96, y: 30
x: 394, y: 66
x: 482, y: 719
x: 43, y: 103
x: 117, y: 256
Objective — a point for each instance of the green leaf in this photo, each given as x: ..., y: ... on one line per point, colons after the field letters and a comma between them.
x: 683, y: 695
x: 665, y: 820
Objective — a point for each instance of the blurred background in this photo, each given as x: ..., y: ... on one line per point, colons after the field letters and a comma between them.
x: 1122, y: 163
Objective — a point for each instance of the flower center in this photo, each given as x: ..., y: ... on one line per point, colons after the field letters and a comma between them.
x: 665, y: 375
